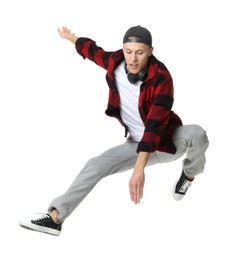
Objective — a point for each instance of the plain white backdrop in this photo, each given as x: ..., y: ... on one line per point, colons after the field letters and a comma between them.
x: 47, y: 94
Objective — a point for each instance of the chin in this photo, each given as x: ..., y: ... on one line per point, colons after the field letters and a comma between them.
x: 134, y: 71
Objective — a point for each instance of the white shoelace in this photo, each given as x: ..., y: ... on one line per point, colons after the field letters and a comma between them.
x: 42, y: 217
x: 185, y: 186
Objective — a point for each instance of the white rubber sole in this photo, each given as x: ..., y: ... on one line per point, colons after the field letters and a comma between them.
x: 29, y: 225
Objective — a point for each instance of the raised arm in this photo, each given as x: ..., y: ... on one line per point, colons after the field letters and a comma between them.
x: 65, y: 33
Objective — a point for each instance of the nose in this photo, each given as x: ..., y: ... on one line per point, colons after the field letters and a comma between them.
x: 134, y: 57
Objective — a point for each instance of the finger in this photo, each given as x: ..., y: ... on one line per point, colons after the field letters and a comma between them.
x: 64, y: 29
x: 131, y: 194
x: 135, y: 199
x: 135, y: 193
x: 141, y: 192
x: 138, y: 194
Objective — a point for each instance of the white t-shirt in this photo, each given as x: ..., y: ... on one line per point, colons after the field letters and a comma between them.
x: 129, y: 99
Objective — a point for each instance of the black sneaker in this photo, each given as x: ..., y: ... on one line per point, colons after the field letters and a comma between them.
x: 43, y: 224
x: 181, y: 187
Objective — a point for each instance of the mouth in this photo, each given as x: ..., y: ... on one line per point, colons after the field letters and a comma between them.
x: 133, y: 66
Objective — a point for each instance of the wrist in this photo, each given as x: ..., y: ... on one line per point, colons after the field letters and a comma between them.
x: 139, y: 167
x: 142, y: 159
x: 72, y: 38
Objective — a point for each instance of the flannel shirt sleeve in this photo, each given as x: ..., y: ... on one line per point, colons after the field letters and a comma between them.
x: 159, y: 113
x: 87, y: 48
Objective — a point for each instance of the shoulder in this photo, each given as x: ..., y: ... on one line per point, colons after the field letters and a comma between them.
x: 157, y: 69
x: 160, y: 65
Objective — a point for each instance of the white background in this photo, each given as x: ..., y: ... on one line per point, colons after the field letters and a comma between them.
x: 52, y: 120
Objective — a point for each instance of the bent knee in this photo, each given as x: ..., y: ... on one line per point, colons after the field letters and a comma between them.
x: 198, y: 135
x: 192, y: 135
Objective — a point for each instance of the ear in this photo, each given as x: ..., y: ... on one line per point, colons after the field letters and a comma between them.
x: 151, y: 51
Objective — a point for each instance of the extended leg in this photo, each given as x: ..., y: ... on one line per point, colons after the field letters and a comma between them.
x: 117, y: 159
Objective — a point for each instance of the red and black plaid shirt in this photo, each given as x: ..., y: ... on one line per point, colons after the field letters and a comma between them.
x: 155, y: 99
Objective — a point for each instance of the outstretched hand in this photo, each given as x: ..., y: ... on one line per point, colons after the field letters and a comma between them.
x: 65, y: 33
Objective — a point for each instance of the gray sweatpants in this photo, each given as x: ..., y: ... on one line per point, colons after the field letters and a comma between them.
x: 188, y: 139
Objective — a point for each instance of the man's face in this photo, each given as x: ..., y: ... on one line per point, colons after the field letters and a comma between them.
x: 136, y: 56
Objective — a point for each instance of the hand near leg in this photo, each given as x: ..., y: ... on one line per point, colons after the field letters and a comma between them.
x: 137, y: 180
x: 136, y: 185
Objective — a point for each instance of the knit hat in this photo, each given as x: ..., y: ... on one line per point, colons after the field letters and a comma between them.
x: 142, y: 35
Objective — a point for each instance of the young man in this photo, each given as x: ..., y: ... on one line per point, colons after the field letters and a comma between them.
x: 141, y: 98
